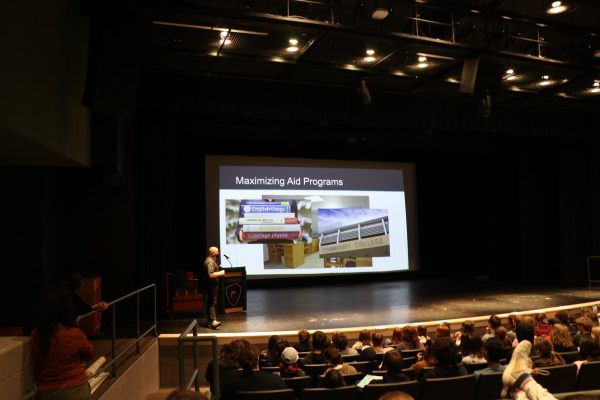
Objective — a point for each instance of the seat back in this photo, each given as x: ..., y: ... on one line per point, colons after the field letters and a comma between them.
x: 297, y: 383
x: 344, y: 392
x: 348, y: 359
x: 474, y: 367
x: 269, y: 369
x: 364, y: 366
x: 314, y: 371
x: 440, y: 388
x: 570, y: 356
x: 411, y: 353
x: 488, y: 386
x: 375, y: 391
x: 278, y: 394
x: 562, y: 378
x: 351, y: 379
x: 588, y: 376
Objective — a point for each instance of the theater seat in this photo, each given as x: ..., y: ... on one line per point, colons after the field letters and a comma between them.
x: 279, y: 394
x: 441, y: 388
x: 488, y: 386
x: 588, y: 378
x: 562, y: 378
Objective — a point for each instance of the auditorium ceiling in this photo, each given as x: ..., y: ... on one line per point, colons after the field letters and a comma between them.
x: 521, y: 52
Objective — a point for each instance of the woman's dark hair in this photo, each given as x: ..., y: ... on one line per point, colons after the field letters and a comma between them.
x: 228, y: 357
x: 303, y: 336
x: 589, y: 350
x: 444, y: 352
x: 58, y: 309
x: 333, y: 379
x: 247, y: 355
x: 333, y: 356
x: 471, y: 345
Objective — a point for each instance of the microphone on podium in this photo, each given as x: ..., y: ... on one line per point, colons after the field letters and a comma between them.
x: 227, y: 257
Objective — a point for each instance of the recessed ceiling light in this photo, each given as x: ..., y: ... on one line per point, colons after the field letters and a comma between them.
x: 369, y: 59
x: 557, y: 8
x: 292, y: 49
x: 511, y: 77
x: 293, y: 42
x: 422, y: 65
x: 370, y: 52
x: 510, y: 71
x: 380, y: 13
x: 545, y: 77
x: 422, y: 59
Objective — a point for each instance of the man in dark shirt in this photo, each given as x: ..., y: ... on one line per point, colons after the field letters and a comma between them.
x: 213, y: 272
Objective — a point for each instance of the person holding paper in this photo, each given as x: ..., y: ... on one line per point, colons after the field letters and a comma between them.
x: 212, y: 272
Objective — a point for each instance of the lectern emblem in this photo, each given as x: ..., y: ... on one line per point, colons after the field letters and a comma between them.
x: 233, y: 292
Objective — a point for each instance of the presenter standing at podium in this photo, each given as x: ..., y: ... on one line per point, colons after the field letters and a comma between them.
x: 213, y: 273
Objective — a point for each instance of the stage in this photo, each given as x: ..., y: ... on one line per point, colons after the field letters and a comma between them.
x: 384, y: 304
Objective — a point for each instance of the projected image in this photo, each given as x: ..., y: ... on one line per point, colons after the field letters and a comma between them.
x: 353, y: 232
x: 302, y: 220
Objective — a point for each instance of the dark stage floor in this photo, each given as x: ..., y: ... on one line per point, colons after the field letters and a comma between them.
x: 384, y: 303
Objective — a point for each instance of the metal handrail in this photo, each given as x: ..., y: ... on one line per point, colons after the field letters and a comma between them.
x: 184, y: 337
x: 113, y: 304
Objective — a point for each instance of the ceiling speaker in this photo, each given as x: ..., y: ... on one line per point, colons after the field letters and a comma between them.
x: 481, y: 77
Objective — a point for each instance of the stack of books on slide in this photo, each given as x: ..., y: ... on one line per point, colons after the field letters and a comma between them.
x: 268, y: 220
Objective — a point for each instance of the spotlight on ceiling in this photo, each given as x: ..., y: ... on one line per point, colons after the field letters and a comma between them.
x: 380, y: 13
x: 557, y: 7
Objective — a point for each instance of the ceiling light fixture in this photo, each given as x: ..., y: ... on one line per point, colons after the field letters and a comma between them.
x: 225, y: 38
x: 422, y: 62
x: 596, y: 87
x: 369, y: 57
x: 509, y: 75
x: 380, y: 13
x: 545, y: 80
x: 557, y: 7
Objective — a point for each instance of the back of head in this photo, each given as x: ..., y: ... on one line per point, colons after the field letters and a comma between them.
x: 396, y: 396
x: 562, y: 316
x: 495, y: 350
x: 543, y: 347
x: 58, y: 309
x: 442, y: 331
x: 468, y: 327
x: 333, y: 379
x: 445, y: 352
x: 247, y: 355
x: 525, y: 330
x: 289, y: 355
x: 185, y: 395
x: 589, y: 350
x: 333, y: 356
x: 471, y: 344
x: 319, y: 340
x: 303, y: 336
x: 364, y: 337
x: 340, y: 341
x: 494, y: 321
x: 393, y: 362
x: 377, y: 339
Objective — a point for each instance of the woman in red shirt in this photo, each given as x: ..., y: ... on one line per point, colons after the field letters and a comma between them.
x: 60, y: 350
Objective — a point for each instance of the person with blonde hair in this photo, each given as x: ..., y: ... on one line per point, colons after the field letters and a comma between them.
x: 561, y: 338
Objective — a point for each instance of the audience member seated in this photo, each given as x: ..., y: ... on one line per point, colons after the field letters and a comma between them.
x: 547, y: 357
x: 589, y: 350
x: 472, y: 350
x: 319, y: 344
x: 422, y: 331
x: 466, y: 328
x: 185, y: 395
x: 272, y: 356
x: 542, y: 328
x: 588, y: 312
x: 409, y: 339
x: 596, y: 334
x: 333, y: 379
x: 584, y: 330
x: 251, y: 378
x: 493, y: 323
x: 446, y: 361
x: 60, y: 350
x: 303, y: 344
x: 502, y: 335
x: 525, y: 331
x: 377, y: 340
x: 424, y: 359
x: 339, y: 340
x: 513, y: 320
x: 228, y: 366
x: 393, y: 364
x: 561, y: 338
x: 288, y: 367
x: 564, y: 318
x: 334, y: 359
x: 442, y: 331
x: 364, y: 339
x: 396, y: 336
x: 493, y: 351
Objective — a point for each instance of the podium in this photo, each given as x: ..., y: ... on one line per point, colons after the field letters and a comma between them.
x: 232, y: 290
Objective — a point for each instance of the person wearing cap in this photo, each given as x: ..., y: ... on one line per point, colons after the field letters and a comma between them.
x: 288, y: 367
